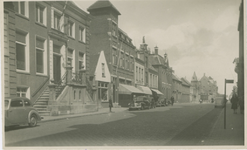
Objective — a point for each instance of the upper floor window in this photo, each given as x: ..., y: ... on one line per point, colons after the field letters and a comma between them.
x: 40, y: 14
x: 22, y: 53
x: 21, y: 7
x: 103, y: 70
x: 40, y: 55
x: 21, y: 92
x: 82, y: 59
x: 70, y: 58
x: 71, y: 29
x: 57, y: 20
x: 82, y: 34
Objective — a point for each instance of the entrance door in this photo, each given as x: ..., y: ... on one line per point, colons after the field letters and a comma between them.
x: 56, y: 68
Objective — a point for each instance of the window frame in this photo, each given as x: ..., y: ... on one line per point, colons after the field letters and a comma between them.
x: 26, y: 8
x: 40, y: 6
x: 27, y: 55
x: 44, y: 50
x: 82, y: 34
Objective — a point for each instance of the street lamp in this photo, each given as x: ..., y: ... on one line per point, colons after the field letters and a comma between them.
x: 226, y: 81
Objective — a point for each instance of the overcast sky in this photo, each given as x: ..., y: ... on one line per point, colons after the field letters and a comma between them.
x: 198, y: 35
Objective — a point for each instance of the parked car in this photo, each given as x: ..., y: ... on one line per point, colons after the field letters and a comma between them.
x: 19, y: 111
x: 160, y: 103
x: 141, y: 102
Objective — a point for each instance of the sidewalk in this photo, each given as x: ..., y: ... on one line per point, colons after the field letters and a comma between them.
x: 234, y: 132
x: 100, y: 111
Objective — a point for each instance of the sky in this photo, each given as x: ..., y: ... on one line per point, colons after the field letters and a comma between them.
x: 199, y: 36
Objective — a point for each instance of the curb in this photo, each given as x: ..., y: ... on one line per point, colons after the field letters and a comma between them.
x: 76, y: 116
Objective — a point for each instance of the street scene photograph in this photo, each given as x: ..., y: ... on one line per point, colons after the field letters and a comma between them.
x: 147, y: 74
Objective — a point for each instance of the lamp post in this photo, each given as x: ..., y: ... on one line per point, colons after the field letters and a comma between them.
x: 226, y: 81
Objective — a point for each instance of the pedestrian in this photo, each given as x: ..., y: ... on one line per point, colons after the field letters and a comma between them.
x: 200, y: 100
x: 110, y: 104
x: 172, y: 100
x: 234, y: 101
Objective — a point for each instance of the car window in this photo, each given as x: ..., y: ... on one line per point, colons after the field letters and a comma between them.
x: 6, y: 104
x: 16, y: 103
x: 27, y: 103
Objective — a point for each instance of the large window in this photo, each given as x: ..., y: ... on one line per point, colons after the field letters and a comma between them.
x: 81, y: 61
x: 40, y: 55
x: 70, y: 58
x: 57, y: 18
x: 40, y: 14
x: 21, y: 51
x: 103, y: 91
x: 82, y: 34
x: 71, y: 29
x: 21, y: 7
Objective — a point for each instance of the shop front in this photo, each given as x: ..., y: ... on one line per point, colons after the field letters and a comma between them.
x: 127, y: 93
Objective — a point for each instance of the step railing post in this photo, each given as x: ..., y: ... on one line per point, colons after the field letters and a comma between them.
x: 52, y: 105
x: 69, y: 74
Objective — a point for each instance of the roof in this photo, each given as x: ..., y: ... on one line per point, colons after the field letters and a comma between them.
x: 185, y: 82
x: 93, y: 61
x: 151, y: 67
x: 174, y: 77
x: 102, y: 4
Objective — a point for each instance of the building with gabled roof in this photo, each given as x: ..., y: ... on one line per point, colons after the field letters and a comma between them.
x: 161, y: 64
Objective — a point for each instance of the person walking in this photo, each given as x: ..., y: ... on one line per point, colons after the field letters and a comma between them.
x: 172, y: 100
x: 234, y: 101
x: 110, y: 104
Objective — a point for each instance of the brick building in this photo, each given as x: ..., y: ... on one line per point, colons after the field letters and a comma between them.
x: 118, y: 48
x: 161, y: 64
x: 47, y: 53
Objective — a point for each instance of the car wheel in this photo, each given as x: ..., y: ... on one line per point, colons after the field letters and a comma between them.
x: 33, y: 121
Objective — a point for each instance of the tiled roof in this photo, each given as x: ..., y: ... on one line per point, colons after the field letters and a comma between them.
x: 185, y: 82
x: 176, y: 78
x: 102, y: 4
x: 93, y: 63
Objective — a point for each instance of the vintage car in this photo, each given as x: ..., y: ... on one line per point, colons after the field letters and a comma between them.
x: 141, y: 102
x: 19, y: 111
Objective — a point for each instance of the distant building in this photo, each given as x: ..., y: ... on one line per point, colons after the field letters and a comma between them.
x: 176, y: 88
x: 185, y: 91
x: 205, y: 89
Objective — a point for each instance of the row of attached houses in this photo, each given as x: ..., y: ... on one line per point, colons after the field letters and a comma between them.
x: 66, y: 60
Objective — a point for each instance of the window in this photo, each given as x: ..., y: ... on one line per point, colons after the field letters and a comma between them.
x: 40, y: 50
x: 74, y: 94
x: 146, y: 77
x: 136, y: 73
x: 81, y: 61
x: 114, y: 56
x: 71, y: 31
x: 126, y: 61
x: 103, y: 70
x: 22, y: 52
x: 82, y: 34
x: 21, y: 7
x: 40, y: 14
x: 16, y: 103
x: 70, y: 58
x: 21, y: 92
x: 57, y: 18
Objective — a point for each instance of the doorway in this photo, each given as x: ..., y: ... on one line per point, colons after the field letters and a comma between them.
x: 56, y: 68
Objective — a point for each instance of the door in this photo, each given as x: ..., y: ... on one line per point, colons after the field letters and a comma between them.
x: 16, y: 112
x: 56, y: 68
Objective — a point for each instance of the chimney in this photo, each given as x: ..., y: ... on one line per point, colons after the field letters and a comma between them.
x: 156, y: 50
x: 165, y: 55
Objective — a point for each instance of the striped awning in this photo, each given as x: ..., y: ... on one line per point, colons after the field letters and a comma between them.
x: 128, y: 89
x: 157, y: 91
x: 145, y: 89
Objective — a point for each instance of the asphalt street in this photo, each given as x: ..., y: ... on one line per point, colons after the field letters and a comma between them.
x: 187, y: 124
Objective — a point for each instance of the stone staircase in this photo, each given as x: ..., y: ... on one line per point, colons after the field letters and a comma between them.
x: 59, y: 89
x: 42, y: 103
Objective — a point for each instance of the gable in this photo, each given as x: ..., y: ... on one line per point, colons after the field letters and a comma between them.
x: 99, y: 70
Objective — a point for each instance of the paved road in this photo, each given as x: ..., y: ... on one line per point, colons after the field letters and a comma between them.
x: 187, y: 124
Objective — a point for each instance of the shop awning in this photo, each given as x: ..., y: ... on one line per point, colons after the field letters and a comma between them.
x: 157, y: 91
x: 145, y: 89
x: 128, y: 89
